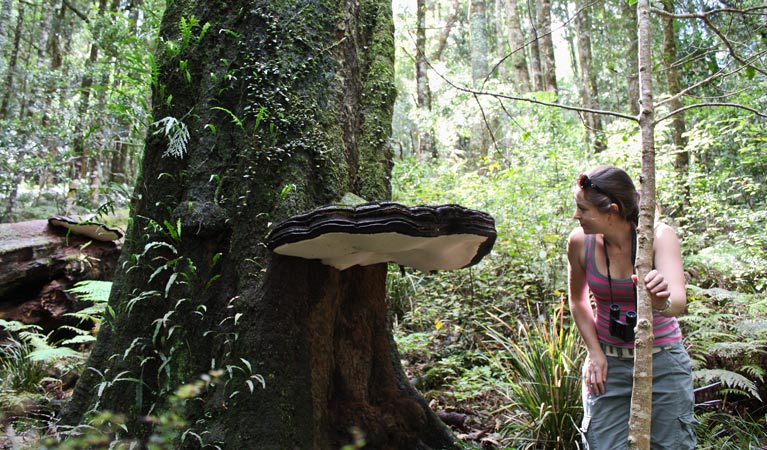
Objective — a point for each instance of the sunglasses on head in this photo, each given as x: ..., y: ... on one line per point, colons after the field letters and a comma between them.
x: 585, y: 182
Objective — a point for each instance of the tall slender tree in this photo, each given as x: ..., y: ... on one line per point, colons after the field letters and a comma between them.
x: 446, y: 29
x: 536, y: 64
x: 641, y: 398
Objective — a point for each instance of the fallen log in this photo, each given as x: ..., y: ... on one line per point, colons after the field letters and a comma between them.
x: 39, y: 261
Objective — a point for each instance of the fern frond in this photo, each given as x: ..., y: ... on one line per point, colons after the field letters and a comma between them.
x: 92, y: 290
x: 735, y: 381
x: 735, y: 349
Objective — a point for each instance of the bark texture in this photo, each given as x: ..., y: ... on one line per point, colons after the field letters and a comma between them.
x: 641, y: 398
x: 287, y: 107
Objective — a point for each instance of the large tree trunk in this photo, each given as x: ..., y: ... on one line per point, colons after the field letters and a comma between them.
x: 287, y: 108
x: 641, y: 398
x: 517, y: 43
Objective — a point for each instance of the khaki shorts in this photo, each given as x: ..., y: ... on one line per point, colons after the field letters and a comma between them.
x: 606, y: 416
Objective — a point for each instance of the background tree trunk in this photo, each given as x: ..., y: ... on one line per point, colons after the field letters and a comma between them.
x: 673, y: 83
x: 480, y: 139
x: 500, y: 39
x: 82, y: 160
x: 11, y: 71
x: 446, y: 30
x: 423, y: 95
x: 589, y: 91
x: 641, y: 397
x: 536, y: 65
x: 517, y: 43
x: 271, y: 134
x: 546, y: 44
x: 632, y: 56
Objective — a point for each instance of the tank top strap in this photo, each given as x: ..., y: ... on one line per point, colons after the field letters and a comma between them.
x: 589, y: 258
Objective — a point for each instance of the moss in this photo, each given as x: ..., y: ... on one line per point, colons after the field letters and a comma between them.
x: 379, y: 93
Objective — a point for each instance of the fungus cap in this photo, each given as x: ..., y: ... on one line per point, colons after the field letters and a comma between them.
x: 427, y: 238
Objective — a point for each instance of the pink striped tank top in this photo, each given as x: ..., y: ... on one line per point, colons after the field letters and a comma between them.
x: 665, y: 329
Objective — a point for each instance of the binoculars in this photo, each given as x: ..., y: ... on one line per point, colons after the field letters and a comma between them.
x: 620, y: 328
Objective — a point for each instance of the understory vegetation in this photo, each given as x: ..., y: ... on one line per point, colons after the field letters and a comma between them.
x: 495, y: 341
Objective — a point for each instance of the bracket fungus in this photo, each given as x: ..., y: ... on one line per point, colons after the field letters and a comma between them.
x: 87, y: 228
x: 427, y: 238
x: 319, y: 325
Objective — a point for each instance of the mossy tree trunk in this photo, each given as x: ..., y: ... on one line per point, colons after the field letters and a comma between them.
x: 287, y: 106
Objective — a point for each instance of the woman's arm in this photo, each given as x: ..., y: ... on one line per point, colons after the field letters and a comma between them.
x: 667, y: 280
x: 595, y: 372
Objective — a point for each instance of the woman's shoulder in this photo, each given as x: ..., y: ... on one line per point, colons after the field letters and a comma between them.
x: 576, y: 241
x: 664, y: 232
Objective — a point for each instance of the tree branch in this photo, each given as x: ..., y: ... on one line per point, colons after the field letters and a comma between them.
x: 705, y: 14
x: 532, y: 100
x: 74, y: 9
x: 704, y: 105
x: 714, y: 76
x: 704, y: 17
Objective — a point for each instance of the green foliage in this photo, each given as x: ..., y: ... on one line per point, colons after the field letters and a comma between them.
x: 105, y: 430
x: 18, y: 372
x: 719, y: 431
x: 540, y: 360
x: 727, y: 332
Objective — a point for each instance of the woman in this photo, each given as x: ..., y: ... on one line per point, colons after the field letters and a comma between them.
x: 601, y: 254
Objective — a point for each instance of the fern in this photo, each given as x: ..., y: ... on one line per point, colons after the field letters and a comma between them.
x: 736, y: 382
x: 177, y: 134
x: 92, y: 290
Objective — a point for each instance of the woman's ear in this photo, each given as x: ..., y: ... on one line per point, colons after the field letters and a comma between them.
x: 614, y: 208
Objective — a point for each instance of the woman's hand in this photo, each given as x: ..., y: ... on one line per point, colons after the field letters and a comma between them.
x: 658, y: 288
x: 595, y: 373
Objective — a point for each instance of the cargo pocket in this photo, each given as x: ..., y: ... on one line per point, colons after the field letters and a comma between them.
x: 687, y: 438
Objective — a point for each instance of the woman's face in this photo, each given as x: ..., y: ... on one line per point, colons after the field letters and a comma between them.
x: 591, y: 219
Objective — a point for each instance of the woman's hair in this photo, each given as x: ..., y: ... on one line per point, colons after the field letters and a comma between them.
x: 605, y: 185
